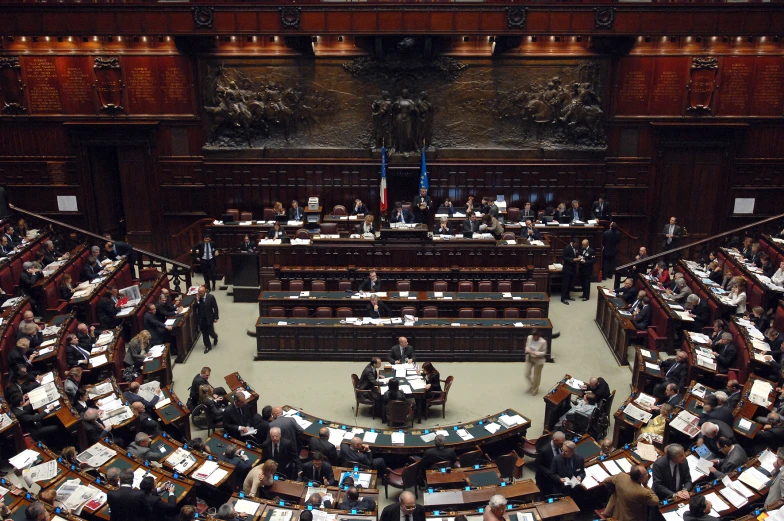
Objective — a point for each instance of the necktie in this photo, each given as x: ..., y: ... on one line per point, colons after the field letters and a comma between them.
x: 671, y: 368
x: 408, y: 517
x: 571, y: 467
x: 676, y: 475
x: 275, y: 452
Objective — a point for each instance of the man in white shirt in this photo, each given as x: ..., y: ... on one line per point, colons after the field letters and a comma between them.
x: 536, y: 349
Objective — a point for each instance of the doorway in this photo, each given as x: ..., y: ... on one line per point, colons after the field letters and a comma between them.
x: 107, y: 190
x: 403, y: 186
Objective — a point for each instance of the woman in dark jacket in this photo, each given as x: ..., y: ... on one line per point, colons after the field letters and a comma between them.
x: 66, y: 288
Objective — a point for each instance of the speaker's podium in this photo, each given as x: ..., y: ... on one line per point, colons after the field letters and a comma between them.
x: 404, y: 232
x: 245, y: 276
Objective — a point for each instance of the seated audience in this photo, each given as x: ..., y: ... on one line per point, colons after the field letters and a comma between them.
x: 258, y: 483
x: 318, y: 471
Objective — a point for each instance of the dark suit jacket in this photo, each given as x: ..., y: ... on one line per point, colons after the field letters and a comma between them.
x: 726, y: 357
x: 725, y: 430
x: 630, y: 295
x: 439, y: 231
x: 603, y: 214
x: 198, y: 251
x: 544, y: 460
x: 662, y: 478
x: 383, y: 310
x: 369, y: 286
x: 15, y: 358
x: 289, y: 429
x: 296, y: 214
x: 107, y: 313
x: 247, y: 246
x: 91, y: 271
x: 643, y: 318
x: 364, y: 503
x: 733, y: 398
x: 392, y: 513
x: 234, y: 418
x: 719, y: 413
x: 676, y: 236
x: 602, y: 391
x: 325, y: 448
x: 610, y: 239
x: 349, y: 456
x: 51, y: 256
x: 569, y: 254
x: 398, y: 353
x: 576, y: 214
x: 197, y: 382
x: 208, y: 309
x: 276, y: 234
x: 534, y: 235
x: 309, y: 473
x: 133, y: 397
x: 395, y: 217
x: 361, y: 210
x: 26, y: 282
x: 589, y: 256
x: 28, y: 418
x: 287, y: 457
x: 161, y: 508
x: 155, y: 327
x: 676, y: 375
x: 562, y: 468
x: 435, y: 455
x: 73, y: 356
x: 94, y: 430
x: 736, y: 458
x: 127, y: 504
x: 471, y: 226
x: 368, y: 379
x: 702, y: 315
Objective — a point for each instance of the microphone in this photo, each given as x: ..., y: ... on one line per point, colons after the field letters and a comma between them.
x: 355, y: 418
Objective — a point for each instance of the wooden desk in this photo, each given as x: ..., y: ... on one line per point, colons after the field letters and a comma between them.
x: 766, y: 294
x: 478, y: 496
x: 618, y: 330
x: 557, y: 402
x: 159, y: 368
x: 115, y: 271
x: 175, y: 414
x: 447, y: 305
x: 234, y: 381
x: 217, y: 444
x: 169, y: 445
x: 558, y: 508
x: 433, y: 339
x: 185, y: 331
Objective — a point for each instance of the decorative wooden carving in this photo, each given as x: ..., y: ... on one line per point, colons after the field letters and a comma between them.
x: 202, y: 17
x: 515, y: 17
x: 290, y: 17
x: 702, y: 85
x: 604, y: 17
x: 109, y: 83
x: 11, y: 85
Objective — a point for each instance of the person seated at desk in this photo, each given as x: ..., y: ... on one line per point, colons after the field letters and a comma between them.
x: 527, y: 212
x: 627, y: 291
x: 432, y: 379
x: 82, y: 402
x: 495, y: 509
x: 680, y: 293
x: 277, y: 209
x: 776, y: 491
x: 635, y: 304
x: 699, y: 510
x: 438, y: 453
x: 671, y: 396
x: 674, y: 371
x: 318, y: 471
x: 734, y: 456
x: 30, y: 275
x: 448, y: 206
x: 711, y: 410
x: 671, y: 476
x: 719, y: 327
x: 32, y: 334
x: 131, y: 395
x: 147, y: 423
x: 158, y: 330
x: 575, y: 213
x: 323, y: 446
x: 491, y: 225
x: 756, y: 255
x: 71, y: 383
x: 276, y: 232
x: 359, y: 207
x: 295, y: 212
x: 317, y: 500
x: 697, y: 309
x: 715, y: 272
x: 369, y: 381
x: 778, y: 276
x: 530, y: 233
x: 237, y: 457
x: 75, y: 354
x: 20, y: 381
x: 725, y: 352
x: 767, y: 267
x: 584, y: 407
x: 771, y: 436
x: 247, y: 245
x: 357, y: 452
x: 471, y: 224
x: 402, y: 352
x: 737, y: 295
x: 568, y: 464
x: 471, y: 206
x: 660, y: 273
x: 642, y: 318
x: 21, y: 355
x: 371, y: 284
x: 258, y: 483
x: 368, y: 226
x: 606, y: 446
x: 401, y: 215
x: 106, y: 311
x: 140, y: 447
x: 86, y: 336
x: 710, y: 433
x: 759, y: 318
x: 443, y: 227
x: 376, y: 308
x: 658, y: 423
x: 353, y: 501
x: 92, y: 270
x: 393, y: 394
x: 599, y: 387
x: 51, y: 254
x: 164, y: 307
x: 5, y: 247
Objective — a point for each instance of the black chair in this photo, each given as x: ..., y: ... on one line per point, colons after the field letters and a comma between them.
x: 469, y: 459
x: 400, y: 412
x: 362, y: 397
x: 510, y: 466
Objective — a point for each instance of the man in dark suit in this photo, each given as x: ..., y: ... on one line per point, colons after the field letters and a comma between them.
x: 20, y: 356
x: 711, y: 432
x: 438, y: 454
x: 357, y: 452
x: 200, y: 379
x: 323, y: 446
x: 125, y: 503
x: 106, y: 309
x: 627, y: 291
x: 247, y: 245
x: 587, y: 259
x: 359, y: 207
x: 407, y: 509
x: 671, y: 476
x: 575, y: 213
x: 571, y: 258
x: 599, y: 387
x: 30, y: 275
x: 295, y: 212
x: 353, y: 501
x: 725, y: 353
x: 50, y: 253
x: 237, y: 418
x: 568, y: 464
x: 318, y: 471
x: 94, y: 427
x: 371, y: 284
x: 675, y: 370
x: 401, y: 215
x: 132, y: 395
x: 369, y: 381
x: 471, y: 224
x: 527, y: 212
x: 422, y: 203
x: 771, y: 436
x: 698, y: 310
x: 289, y: 428
x: 671, y: 396
x: 733, y: 392
x: 529, y: 233
x: 711, y: 411
x: 672, y: 236
x: 32, y: 421
x: 207, y: 309
x: 91, y: 269
x: 283, y: 452
x: 642, y: 319
x: 402, y: 352
x: 206, y: 253
x: 76, y: 354
x: 147, y: 423
x: 600, y: 210
x: 545, y: 479
x: 376, y: 308
x: 156, y: 328
x: 239, y: 459
x: 5, y: 247
x: 161, y: 509
x: 610, y: 239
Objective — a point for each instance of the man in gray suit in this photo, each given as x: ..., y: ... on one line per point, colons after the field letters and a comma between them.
x: 734, y: 457
x: 672, y: 236
x: 289, y: 428
x: 776, y: 491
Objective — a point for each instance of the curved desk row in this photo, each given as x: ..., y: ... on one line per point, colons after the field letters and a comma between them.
x: 413, y: 442
x: 437, y: 340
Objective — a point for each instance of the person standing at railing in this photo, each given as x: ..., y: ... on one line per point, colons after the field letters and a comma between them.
x: 206, y: 254
x: 672, y: 237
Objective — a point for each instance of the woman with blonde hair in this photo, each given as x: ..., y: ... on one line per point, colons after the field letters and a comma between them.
x: 136, y: 349
x: 738, y: 295
x: 258, y: 481
x: 278, y: 209
x: 368, y: 226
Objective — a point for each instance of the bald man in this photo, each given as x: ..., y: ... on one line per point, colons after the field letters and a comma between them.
x: 402, y: 352
x: 631, y: 497
x: 357, y: 452
x: 406, y: 509
x: 289, y: 428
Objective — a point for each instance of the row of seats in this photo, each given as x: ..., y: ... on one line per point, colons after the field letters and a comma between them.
x: 463, y: 286
x: 742, y: 368
x: 10, y: 273
x: 512, y: 214
x: 8, y: 340
x: 427, y: 312
x: 754, y: 292
x: 698, y: 290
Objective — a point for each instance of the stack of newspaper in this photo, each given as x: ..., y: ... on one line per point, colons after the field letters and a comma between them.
x: 96, y: 455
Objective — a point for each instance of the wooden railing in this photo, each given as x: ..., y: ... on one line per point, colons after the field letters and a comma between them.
x: 708, y: 244
x: 176, y: 272
x: 182, y: 243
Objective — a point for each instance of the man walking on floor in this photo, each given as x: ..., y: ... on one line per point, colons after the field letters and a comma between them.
x: 208, y: 317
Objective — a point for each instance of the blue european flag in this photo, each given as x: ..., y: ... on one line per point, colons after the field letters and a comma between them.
x: 423, y: 181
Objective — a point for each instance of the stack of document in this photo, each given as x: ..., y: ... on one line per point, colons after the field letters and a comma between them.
x: 243, y: 506
x: 754, y: 478
x: 645, y: 400
x: 699, y: 338
x: 181, y: 460
x: 510, y: 421
x: 117, y: 416
x: 210, y: 473
x: 74, y: 496
x: 149, y: 390
x: 42, y: 472
x: 100, y: 390
x: 44, y: 395
x: 636, y: 413
x: 492, y: 427
x: 96, y: 455
x: 398, y: 438
x: 105, y: 338
x: 760, y: 391
x: 24, y: 459
x: 574, y: 383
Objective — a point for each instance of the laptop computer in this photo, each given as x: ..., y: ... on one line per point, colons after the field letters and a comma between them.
x: 227, y: 218
x: 547, y: 218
